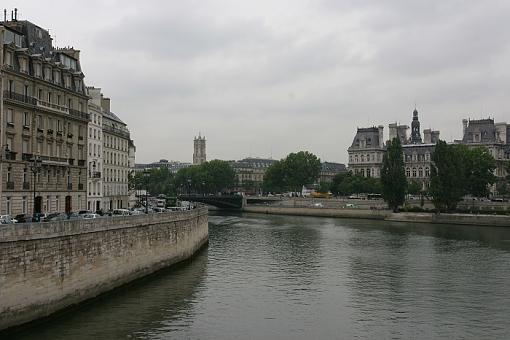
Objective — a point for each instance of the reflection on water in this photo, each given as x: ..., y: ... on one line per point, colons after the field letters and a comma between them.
x: 267, y: 277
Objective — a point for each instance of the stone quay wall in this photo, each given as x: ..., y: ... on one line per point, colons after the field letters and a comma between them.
x: 45, y: 267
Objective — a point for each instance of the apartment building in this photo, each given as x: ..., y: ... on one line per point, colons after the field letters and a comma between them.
x: 44, y: 122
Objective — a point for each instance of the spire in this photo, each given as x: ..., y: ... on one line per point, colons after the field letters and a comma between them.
x: 415, y: 128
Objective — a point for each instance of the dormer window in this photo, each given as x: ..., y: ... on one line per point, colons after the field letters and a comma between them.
x: 8, y: 58
x: 37, y: 70
x: 23, y: 65
x: 56, y: 77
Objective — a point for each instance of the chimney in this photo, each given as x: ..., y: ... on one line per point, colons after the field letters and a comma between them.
x: 5, y: 15
x: 427, y: 136
x: 464, y: 127
x: 435, y: 137
x: 15, y: 14
x: 105, y: 104
x: 381, y: 135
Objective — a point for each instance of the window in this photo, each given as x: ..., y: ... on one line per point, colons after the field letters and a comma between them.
x: 57, y: 203
x: 24, y: 205
x: 8, y: 205
x: 25, y: 175
x: 39, y: 147
x: 59, y: 125
x: 24, y: 146
x: 414, y: 172
x: 49, y: 97
x: 39, y: 94
x: 427, y: 172
x: 58, y: 100
x: 26, y: 119
x: 420, y: 172
x: 408, y: 172
x: 26, y: 91
x: 8, y: 58
x: 70, y: 103
x: 59, y: 150
x: 56, y: 77
x: 37, y: 70
x: 23, y: 65
x: 9, y: 143
x: 10, y: 115
x: 48, y: 204
x: 9, y: 174
x: 50, y: 149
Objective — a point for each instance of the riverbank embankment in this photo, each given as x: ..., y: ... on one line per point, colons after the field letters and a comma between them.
x: 387, y: 215
x: 46, y: 267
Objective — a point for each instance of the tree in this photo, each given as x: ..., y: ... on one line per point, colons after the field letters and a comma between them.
x: 447, y: 177
x: 393, y: 177
x: 300, y: 169
x: 209, y: 177
x: 292, y: 172
x: 324, y: 187
x: 413, y: 187
x: 274, y: 178
x: 479, y: 169
x: 345, y: 184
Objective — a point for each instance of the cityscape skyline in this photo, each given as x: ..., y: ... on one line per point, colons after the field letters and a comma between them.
x: 268, y: 79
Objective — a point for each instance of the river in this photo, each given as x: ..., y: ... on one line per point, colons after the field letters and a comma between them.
x: 284, y: 277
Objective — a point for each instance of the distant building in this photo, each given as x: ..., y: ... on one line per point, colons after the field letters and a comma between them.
x: 366, y: 152
x: 494, y: 136
x: 329, y: 170
x: 199, y: 154
x: 95, y: 151
x: 250, y: 173
x: 116, y: 146
x: 172, y: 166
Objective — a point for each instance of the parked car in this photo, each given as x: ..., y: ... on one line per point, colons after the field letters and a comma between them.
x: 74, y: 216
x: 90, y: 216
x: 136, y: 212
x: 120, y: 212
x: 56, y: 217
x: 6, y: 219
x: 83, y: 212
x: 23, y: 218
x: 39, y: 217
x: 159, y: 210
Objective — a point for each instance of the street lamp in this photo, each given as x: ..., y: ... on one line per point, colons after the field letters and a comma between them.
x: 35, y: 167
x: 203, y: 188
x: 146, y: 177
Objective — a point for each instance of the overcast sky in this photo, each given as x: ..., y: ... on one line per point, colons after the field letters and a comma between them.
x: 262, y: 78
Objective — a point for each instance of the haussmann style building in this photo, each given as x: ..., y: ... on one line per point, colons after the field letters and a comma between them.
x: 44, y: 122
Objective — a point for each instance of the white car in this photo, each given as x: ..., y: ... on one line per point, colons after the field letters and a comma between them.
x: 90, y: 216
x: 7, y: 219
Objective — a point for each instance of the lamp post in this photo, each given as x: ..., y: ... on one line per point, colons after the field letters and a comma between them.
x: 35, y: 167
x: 146, y: 177
x: 203, y: 188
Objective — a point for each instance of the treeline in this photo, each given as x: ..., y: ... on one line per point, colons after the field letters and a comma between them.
x: 210, y: 177
x: 456, y: 171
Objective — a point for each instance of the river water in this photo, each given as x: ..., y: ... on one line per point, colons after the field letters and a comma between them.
x: 283, y: 277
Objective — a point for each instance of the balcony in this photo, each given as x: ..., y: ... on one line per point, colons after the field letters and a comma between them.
x: 10, y: 185
x: 95, y: 174
x: 26, y: 157
x: 69, y: 186
x: 51, y: 106
x: 79, y: 114
x: 19, y: 97
x: 116, y: 131
x: 26, y: 185
x: 10, y: 155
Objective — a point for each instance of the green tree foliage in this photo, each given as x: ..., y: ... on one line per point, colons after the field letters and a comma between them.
x: 480, y: 166
x: 414, y: 187
x: 210, y: 177
x: 292, y: 172
x: 447, y: 176
x: 458, y: 171
x: 393, y: 177
x: 156, y: 181
x: 324, y: 187
x: 345, y: 184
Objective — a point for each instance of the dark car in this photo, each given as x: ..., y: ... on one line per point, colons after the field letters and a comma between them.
x: 56, y: 217
x: 23, y: 218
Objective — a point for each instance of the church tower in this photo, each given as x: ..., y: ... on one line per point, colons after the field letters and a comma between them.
x: 415, y: 129
x: 199, y: 156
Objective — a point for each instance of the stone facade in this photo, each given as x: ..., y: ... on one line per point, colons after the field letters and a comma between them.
x: 250, y: 173
x: 44, y: 116
x: 57, y: 264
x: 329, y: 170
x: 199, y: 153
x: 95, y: 151
x: 366, y: 152
x: 116, y: 141
x: 494, y: 136
x: 172, y: 166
